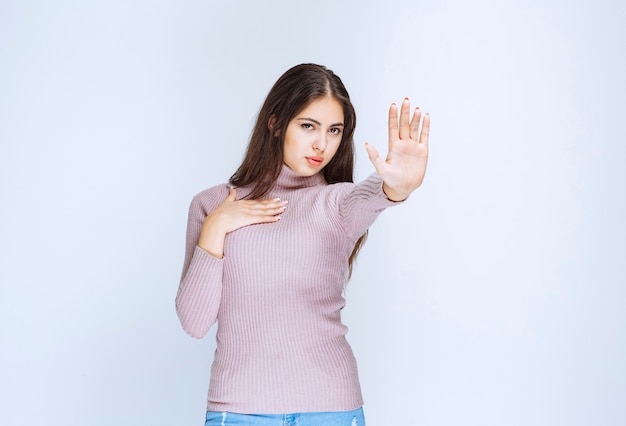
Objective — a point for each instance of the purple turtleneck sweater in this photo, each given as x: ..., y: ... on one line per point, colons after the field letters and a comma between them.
x: 277, y: 296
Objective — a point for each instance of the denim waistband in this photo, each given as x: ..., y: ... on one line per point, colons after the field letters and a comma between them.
x: 332, y: 418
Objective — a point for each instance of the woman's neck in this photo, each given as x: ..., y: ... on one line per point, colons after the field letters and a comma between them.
x: 288, y: 179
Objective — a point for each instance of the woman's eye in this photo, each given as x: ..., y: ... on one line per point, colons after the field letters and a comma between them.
x: 307, y: 126
x: 335, y: 131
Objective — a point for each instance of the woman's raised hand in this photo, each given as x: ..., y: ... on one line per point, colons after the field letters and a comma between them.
x: 404, y: 168
x: 233, y: 214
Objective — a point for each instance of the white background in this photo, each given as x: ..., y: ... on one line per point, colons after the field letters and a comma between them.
x: 495, y: 296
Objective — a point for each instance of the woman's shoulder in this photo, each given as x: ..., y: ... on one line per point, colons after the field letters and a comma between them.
x: 335, y: 188
x: 334, y: 193
x: 213, y: 190
x: 210, y: 197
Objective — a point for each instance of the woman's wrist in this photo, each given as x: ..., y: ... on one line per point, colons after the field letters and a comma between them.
x: 394, y: 194
x: 212, y: 240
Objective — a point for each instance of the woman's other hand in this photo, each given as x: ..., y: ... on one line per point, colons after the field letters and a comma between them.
x: 233, y: 214
x: 405, y: 166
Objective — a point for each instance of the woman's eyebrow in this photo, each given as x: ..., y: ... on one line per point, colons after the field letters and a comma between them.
x: 317, y: 122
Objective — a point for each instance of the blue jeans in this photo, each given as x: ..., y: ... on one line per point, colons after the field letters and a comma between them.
x: 338, y: 418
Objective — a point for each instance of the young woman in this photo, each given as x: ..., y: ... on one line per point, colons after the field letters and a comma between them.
x: 269, y: 253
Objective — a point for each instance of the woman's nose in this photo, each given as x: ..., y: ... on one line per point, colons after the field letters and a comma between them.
x: 320, y: 143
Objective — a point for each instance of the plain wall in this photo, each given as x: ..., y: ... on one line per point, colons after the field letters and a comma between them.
x: 494, y: 296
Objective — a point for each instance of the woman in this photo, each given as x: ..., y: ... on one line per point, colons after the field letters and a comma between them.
x: 268, y: 255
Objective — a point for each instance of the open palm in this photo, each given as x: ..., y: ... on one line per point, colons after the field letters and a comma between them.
x: 405, y: 166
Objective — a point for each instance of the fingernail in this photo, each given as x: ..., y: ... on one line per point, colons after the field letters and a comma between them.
x: 406, y: 99
x: 276, y: 199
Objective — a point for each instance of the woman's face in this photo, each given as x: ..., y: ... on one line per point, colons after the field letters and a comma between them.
x: 313, y: 136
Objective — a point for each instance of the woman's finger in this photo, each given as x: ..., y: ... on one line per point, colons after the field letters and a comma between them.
x: 260, y: 208
x: 393, y: 122
x: 375, y: 158
x: 425, y: 130
x: 415, y: 124
x: 405, y: 119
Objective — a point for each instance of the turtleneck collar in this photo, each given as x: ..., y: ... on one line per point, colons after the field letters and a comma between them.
x: 288, y: 179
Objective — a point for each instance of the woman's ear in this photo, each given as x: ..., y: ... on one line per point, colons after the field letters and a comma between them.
x: 271, y: 123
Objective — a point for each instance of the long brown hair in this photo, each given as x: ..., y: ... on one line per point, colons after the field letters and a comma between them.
x: 291, y: 93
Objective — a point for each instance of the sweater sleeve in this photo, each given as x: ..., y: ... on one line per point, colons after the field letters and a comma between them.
x: 200, y: 289
x: 359, y: 207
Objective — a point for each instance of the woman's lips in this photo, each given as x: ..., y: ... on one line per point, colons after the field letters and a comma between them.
x: 315, y: 160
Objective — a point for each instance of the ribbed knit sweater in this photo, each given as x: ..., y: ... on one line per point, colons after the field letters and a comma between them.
x: 277, y: 296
